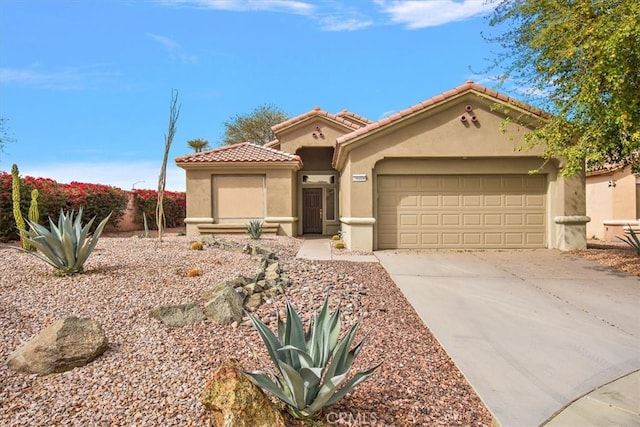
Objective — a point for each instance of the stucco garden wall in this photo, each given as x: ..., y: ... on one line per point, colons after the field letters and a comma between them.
x: 612, y: 201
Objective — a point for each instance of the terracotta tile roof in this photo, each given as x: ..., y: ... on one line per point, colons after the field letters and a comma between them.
x: 355, y: 117
x: 466, y: 87
x: 316, y: 112
x: 244, y: 152
x: 593, y: 170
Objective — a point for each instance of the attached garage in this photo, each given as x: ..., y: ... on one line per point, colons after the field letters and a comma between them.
x: 461, y: 211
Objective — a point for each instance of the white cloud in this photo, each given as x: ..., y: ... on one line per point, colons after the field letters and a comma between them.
x: 335, y: 23
x: 174, y: 50
x: 68, y: 78
x: 122, y: 175
x: 431, y: 13
x: 286, y: 6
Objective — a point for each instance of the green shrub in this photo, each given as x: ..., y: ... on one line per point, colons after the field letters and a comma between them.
x: 174, y: 204
x: 197, y: 246
x: 66, y: 246
x: 632, y: 240
x: 254, y: 229
x: 95, y: 199
x: 310, y: 366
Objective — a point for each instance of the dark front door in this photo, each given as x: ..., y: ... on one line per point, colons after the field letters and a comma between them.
x: 312, y: 210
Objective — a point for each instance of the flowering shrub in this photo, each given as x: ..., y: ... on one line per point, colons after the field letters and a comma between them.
x: 174, y: 203
x: 96, y: 200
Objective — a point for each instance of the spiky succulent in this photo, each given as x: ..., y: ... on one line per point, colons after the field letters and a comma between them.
x: 254, y: 229
x: 312, y: 365
x: 632, y: 239
x: 66, y: 246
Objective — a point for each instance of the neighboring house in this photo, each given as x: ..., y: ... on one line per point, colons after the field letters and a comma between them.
x: 439, y: 174
x: 613, y: 201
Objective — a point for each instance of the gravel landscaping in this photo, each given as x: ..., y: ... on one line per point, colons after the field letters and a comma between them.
x: 614, y: 254
x: 153, y: 375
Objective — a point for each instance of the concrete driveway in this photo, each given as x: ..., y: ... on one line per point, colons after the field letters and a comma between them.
x: 532, y: 330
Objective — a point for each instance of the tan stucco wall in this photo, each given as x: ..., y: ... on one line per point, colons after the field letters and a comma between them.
x: 614, y: 205
x: 316, y: 158
x: 439, y: 136
x: 301, y: 135
x: 280, y: 196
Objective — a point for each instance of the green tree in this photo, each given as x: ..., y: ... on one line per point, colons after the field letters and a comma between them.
x: 198, y: 144
x: 254, y: 127
x: 582, y: 60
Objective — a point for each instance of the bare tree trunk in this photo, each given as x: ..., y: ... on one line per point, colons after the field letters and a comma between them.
x: 174, y: 112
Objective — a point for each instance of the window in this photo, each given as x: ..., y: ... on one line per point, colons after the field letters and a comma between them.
x: 330, y: 204
x: 318, y: 179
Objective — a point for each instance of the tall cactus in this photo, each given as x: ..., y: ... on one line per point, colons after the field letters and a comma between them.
x: 17, y: 213
x: 34, y: 213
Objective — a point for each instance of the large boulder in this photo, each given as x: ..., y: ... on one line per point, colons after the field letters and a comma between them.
x: 233, y: 400
x: 64, y: 345
x: 223, y: 305
x: 178, y: 315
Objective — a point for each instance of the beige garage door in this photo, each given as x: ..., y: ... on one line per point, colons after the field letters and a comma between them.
x: 461, y: 211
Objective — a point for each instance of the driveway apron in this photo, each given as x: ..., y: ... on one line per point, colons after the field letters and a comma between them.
x: 532, y: 330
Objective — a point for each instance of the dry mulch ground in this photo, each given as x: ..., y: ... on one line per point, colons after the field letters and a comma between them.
x: 617, y: 255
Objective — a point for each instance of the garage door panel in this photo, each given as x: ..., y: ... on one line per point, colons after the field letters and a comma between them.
x: 535, y: 219
x: 492, y: 219
x: 492, y: 200
x: 450, y: 201
x: 429, y: 201
x: 409, y: 239
x: 474, y: 211
x: 472, y: 200
x: 408, y: 220
x: 471, y: 219
x: 535, y: 200
x: 513, y: 219
x: 429, y: 219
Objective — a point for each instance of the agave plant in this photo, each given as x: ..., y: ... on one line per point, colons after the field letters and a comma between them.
x: 311, y: 365
x: 632, y: 240
x: 66, y: 246
x: 254, y: 229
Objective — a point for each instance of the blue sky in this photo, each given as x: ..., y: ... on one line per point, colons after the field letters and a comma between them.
x: 86, y: 85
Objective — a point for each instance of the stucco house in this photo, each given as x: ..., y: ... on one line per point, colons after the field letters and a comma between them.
x: 439, y: 174
x: 613, y: 201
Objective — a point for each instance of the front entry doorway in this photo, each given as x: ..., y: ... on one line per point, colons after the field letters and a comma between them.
x: 312, y: 210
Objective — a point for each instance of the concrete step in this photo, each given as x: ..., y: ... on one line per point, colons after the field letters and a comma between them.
x: 234, y: 228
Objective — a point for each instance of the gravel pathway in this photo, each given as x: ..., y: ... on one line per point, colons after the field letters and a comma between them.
x: 152, y: 375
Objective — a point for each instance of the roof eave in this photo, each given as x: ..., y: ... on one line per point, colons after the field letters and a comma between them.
x: 293, y: 164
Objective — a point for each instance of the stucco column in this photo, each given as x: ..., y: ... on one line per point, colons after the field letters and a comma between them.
x: 571, y: 228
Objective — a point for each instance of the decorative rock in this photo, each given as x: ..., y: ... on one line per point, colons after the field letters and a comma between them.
x: 240, y: 281
x: 263, y: 252
x: 252, y: 288
x: 178, y: 315
x: 254, y: 301
x: 209, y: 294
x: 66, y: 344
x: 272, y: 274
x: 233, y: 400
x: 224, y: 306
